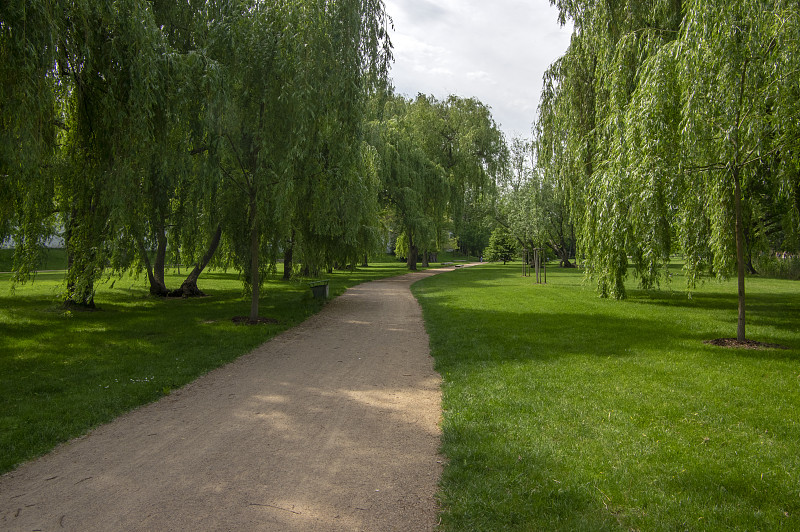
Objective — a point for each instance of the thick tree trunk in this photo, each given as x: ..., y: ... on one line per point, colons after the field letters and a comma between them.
x: 77, y: 296
x: 189, y: 286
x: 740, y: 265
x: 412, y: 255
x: 425, y: 259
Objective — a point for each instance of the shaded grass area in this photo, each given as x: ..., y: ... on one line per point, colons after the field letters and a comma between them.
x: 64, y: 372
x: 564, y: 411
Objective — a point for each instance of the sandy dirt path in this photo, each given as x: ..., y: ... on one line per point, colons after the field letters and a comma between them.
x: 332, y: 425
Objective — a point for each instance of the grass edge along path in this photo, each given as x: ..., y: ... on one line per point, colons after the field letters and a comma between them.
x: 64, y: 372
x: 564, y: 411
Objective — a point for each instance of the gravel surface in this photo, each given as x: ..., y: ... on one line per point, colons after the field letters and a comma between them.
x: 332, y: 425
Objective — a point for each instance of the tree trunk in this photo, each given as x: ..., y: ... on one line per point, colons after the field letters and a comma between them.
x: 288, y: 255
x: 739, y: 251
x: 157, y: 287
x: 425, y: 259
x: 412, y: 255
x: 365, y: 264
x: 160, y: 261
x: 77, y: 296
x: 189, y: 286
x: 563, y: 254
x: 255, y: 279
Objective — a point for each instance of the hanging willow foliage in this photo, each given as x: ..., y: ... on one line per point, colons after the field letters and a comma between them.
x: 670, y: 122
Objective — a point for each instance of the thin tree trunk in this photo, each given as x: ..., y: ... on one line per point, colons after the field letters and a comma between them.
x: 365, y: 264
x: 740, y: 265
x: 255, y: 279
x: 288, y: 254
x: 737, y: 199
x: 189, y: 286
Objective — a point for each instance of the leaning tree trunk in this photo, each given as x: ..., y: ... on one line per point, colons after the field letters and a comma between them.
x: 189, y: 286
x: 562, y: 252
x: 157, y: 288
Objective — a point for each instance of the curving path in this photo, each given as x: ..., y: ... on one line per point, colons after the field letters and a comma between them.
x: 332, y: 425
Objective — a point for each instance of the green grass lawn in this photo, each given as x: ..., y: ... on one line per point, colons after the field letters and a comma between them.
x: 564, y: 411
x: 64, y: 372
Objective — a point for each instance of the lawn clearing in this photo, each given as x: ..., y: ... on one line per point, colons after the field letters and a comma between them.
x: 63, y: 372
x: 564, y: 411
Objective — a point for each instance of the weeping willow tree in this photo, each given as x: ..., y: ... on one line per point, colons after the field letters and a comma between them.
x: 412, y: 185
x: 334, y: 210
x: 726, y: 71
x: 80, y: 81
x: 289, y: 138
x: 460, y: 136
x: 692, y: 109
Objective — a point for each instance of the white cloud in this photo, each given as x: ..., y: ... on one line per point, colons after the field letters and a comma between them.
x: 495, y: 51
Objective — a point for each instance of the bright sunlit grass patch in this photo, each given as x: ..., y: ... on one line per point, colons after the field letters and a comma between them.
x: 564, y: 411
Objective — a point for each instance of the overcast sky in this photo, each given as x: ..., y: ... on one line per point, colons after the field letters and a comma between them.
x: 493, y: 50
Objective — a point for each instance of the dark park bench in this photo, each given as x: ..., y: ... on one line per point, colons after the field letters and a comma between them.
x: 319, y: 288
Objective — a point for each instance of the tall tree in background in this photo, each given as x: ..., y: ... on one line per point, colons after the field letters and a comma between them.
x: 410, y: 182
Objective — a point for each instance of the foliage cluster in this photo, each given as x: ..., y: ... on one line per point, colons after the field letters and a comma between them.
x: 564, y: 411
x: 435, y: 157
x: 502, y: 246
x: 671, y: 126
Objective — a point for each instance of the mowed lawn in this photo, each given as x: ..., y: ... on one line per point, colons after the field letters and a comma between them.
x: 564, y: 411
x: 63, y: 372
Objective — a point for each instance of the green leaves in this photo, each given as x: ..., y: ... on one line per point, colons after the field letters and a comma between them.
x: 646, y: 117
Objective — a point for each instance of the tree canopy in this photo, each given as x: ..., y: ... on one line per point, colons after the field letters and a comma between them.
x: 671, y: 126
x: 145, y: 131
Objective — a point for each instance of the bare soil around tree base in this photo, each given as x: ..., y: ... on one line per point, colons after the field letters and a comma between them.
x: 332, y: 425
x: 743, y: 344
